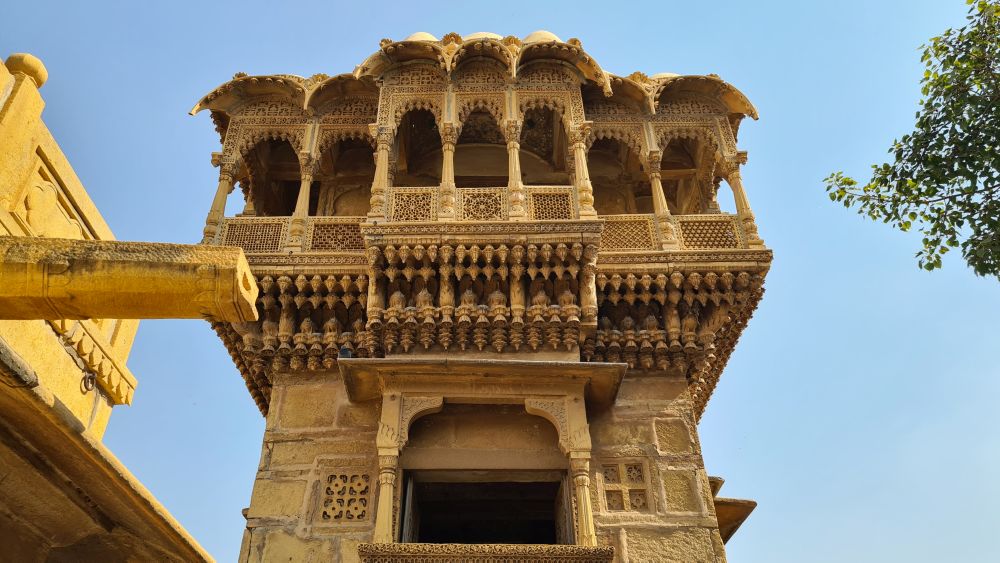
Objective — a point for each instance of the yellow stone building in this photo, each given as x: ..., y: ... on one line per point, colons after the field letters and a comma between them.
x: 67, y: 295
x: 496, y: 294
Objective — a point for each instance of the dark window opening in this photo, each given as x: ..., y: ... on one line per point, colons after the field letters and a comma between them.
x: 488, y: 512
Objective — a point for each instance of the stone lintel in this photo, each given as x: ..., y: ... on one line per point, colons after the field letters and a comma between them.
x: 366, y: 378
x: 74, y: 279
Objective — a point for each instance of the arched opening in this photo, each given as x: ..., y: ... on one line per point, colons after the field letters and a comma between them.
x: 274, y: 177
x: 345, y: 177
x: 679, y: 175
x: 481, y: 153
x: 417, y: 150
x: 544, y: 148
x: 620, y: 184
x: 485, y: 474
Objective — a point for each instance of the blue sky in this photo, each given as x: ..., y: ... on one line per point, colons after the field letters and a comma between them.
x: 859, y: 408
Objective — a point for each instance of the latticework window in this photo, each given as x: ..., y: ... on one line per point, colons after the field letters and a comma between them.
x: 626, y: 485
x: 713, y: 233
x: 487, y: 204
x: 550, y: 206
x: 256, y: 235
x: 336, y: 236
x: 345, y: 497
x: 413, y: 206
x: 628, y: 233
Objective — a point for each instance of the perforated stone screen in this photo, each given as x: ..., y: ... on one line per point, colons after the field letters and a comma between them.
x: 336, y: 236
x: 632, y: 233
x: 413, y: 206
x: 255, y: 236
x: 551, y: 206
x: 713, y: 233
x: 482, y: 204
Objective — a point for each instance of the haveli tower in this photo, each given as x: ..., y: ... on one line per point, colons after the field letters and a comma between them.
x: 496, y: 293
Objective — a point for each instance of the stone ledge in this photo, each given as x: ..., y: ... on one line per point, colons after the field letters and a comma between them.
x: 481, y: 553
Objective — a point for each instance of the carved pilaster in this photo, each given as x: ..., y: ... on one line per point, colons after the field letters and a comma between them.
x: 578, y: 135
x: 383, y: 141
x: 449, y: 136
x: 515, y: 187
x: 580, y: 470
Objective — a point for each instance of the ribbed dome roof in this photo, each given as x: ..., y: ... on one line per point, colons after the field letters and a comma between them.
x: 540, y: 36
x: 421, y: 36
x: 482, y: 35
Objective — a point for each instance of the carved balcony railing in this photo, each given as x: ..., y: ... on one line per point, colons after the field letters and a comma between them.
x: 481, y: 553
x: 255, y: 235
x: 546, y: 203
x: 334, y: 234
x: 630, y: 232
x: 714, y: 231
x: 413, y: 204
x: 482, y: 204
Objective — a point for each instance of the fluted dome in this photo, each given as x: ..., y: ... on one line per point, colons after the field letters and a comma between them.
x: 540, y: 36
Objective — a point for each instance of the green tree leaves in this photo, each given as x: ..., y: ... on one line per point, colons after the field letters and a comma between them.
x: 944, y: 179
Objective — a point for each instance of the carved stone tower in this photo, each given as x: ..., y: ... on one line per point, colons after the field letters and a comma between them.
x: 496, y: 293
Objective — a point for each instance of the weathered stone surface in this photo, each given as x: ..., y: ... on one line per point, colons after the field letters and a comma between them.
x: 665, y: 545
x: 673, y: 436
x: 308, y: 406
x: 681, y: 489
x: 276, y: 499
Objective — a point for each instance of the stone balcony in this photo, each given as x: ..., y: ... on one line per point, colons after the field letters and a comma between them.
x: 597, y: 290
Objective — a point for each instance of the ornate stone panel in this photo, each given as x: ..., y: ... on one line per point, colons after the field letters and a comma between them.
x: 345, y: 497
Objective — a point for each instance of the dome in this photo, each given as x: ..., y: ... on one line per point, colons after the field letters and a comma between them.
x: 660, y: 75
x: 421, y: 36
x: 540, y: 36
x: 481, y: 35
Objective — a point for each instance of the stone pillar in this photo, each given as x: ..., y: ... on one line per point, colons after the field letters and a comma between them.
x: 218, y: 210
x: 386, y: 496
x: 449, y: 136
x: 383, y: 139
x: 585, y: 190
x: 580, y: 469
x: 515, y: 187
x: 743, y: 208
x: 660, y: 208
x: 301, y: 212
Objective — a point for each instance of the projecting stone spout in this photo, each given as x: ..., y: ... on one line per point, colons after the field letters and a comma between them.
x: 73, y: 279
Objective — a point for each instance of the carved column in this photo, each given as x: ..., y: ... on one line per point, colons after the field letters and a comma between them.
x: 743, y: 207
x: 218, y: 210
x: 386, y: 496
x: 307, y: 169
x: 660, y: 208
x: 383, y: 139
x: 387, y: 442
x: 580, y: 469
x: 585, y: 190
x: 449, y: 136
x: 515, y: 187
